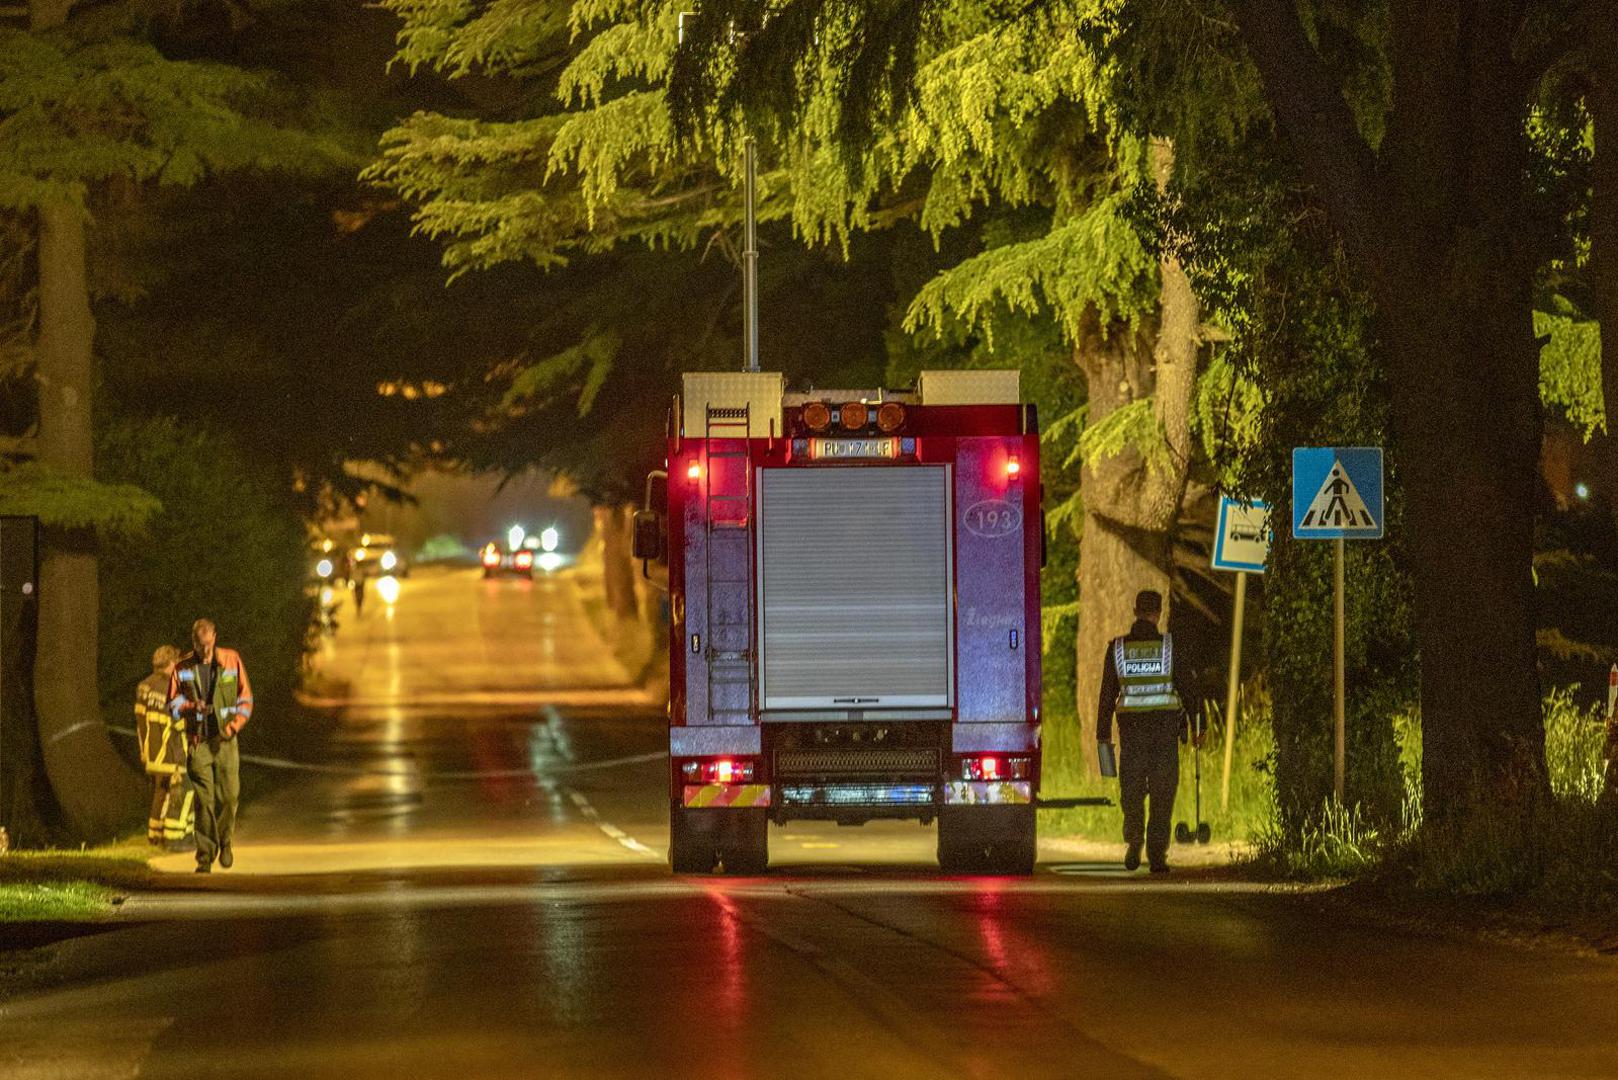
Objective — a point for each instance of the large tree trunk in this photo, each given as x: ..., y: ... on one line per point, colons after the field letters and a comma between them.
x: 96, y: 791
x: 1131, y: 502
x: 1437, y: 227
x: 618, y: 565
x: 1603, y: 105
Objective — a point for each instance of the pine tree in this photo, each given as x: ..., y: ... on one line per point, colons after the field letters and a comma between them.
x: 88, y: 104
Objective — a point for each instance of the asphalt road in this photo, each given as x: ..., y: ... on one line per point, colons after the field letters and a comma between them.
x: 472, y: 885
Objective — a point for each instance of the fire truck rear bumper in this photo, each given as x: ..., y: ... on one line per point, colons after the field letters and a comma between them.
x: 736, y: 796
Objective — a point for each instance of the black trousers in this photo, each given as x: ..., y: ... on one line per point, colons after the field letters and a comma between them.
x: 1148, y: 771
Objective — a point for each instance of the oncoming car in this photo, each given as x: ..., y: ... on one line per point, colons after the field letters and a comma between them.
x: 376, y: 555
x: 496, y: 561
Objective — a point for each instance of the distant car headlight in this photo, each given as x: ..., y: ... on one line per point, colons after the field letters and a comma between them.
x: 389, y: 560
x: 324, y: 568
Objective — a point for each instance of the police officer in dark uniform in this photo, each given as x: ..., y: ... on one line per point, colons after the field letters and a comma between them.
x: 1142, y: 681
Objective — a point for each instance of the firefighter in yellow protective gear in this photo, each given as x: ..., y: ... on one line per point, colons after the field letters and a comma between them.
x: 163, y: 752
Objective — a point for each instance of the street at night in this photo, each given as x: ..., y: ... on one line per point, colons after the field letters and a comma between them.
x: 808, y: 539
x: 476, y: 890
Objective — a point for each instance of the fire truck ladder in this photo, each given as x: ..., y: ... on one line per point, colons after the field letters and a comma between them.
x: 729, y: 516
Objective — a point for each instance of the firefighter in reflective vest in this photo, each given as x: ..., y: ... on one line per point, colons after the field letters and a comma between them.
x: 163, y: 753
x: 1142, y: 683
x: 210, y: 691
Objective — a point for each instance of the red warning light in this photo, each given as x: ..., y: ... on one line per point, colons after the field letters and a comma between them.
x: 1013, y: 467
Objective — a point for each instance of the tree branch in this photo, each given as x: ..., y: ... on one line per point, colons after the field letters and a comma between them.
x: 1311, y: 111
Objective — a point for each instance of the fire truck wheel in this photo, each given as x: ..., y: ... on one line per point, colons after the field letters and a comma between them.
x: 693, y: 840
x: 986, y: 839
x: 747, y: 841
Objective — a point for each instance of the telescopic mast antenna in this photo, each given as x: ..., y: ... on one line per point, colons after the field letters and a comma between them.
x: 750, y: 259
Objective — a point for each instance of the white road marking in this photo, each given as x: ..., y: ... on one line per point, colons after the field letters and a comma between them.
x: 608, y: 827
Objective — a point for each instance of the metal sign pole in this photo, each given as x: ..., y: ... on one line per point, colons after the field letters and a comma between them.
x: 750, y: 259
x: 1339, y: 709
x: 1234, y: 686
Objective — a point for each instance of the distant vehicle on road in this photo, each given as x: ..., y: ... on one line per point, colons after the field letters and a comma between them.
x: 376, y: 555
x: 497, y: 561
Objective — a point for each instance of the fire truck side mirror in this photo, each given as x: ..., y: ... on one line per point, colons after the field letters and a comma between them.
x: 648, y: 535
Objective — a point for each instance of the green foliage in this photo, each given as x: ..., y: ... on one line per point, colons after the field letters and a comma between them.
x: 1228, y: 419
x: 1095, y: 260
x: 582, y: 368
x: 1574, y: 738
x: 1570, y: 368
x: 1338, y: 842
x: 79, y: 108
x: 72, y: 502
x: 226, y: 545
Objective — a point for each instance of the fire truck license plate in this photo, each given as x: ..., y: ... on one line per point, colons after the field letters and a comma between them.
x: 836, y: 449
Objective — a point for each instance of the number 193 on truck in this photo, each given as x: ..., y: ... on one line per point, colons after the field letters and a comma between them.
x: 853, y: 585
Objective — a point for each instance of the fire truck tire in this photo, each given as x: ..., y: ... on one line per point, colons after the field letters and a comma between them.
x: 693, y: 840
x: 747, y: 841
x: 987, y: 840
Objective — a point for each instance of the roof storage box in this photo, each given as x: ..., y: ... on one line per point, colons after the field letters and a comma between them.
x: 970, y: 387
x: 758, y: 392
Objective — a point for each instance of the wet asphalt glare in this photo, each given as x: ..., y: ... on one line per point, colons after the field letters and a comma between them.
x: 472, y: 885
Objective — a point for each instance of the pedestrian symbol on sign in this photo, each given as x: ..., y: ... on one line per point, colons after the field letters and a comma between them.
x: 1337, y: 505
x: 1336, y: 493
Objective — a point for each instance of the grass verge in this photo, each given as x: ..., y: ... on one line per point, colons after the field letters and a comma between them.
x: 70, y: 885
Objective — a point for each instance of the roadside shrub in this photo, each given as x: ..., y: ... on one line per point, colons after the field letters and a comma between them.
x: 1556, y: 855
x: 1573, y: 743
x: 226, y: 545
x: 1338, y: 842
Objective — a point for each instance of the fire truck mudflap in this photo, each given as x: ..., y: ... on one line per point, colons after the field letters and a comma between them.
x: 854, y: 610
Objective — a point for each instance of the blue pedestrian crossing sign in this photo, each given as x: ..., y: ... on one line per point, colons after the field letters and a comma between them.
x: 1242, y: 542
x: 1337, y: 493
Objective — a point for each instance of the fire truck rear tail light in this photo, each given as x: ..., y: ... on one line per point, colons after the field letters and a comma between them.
x: 994, y: 767
x: 491, y: 559
x: 524, y: 560
x: 854, y: 415
x: 718, y: 771
x: 817, y: 416
x: 1013, y: 467
x: 890, y: 417
x: 694, y: 471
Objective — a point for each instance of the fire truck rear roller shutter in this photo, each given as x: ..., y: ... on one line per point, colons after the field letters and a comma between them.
x: 854, y: 569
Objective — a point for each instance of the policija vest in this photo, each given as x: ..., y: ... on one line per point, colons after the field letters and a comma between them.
x: 1145, y: 675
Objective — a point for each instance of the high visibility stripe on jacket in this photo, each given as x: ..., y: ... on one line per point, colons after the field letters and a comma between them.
x: 232, y: 692
x: 161, y: 737
x: 1145, y: 675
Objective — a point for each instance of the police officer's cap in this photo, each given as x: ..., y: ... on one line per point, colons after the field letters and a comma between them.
x: 1149, y: 602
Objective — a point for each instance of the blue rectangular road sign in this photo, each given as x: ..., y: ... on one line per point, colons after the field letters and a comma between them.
x: 1242, y: 540
x: 1337, y: 492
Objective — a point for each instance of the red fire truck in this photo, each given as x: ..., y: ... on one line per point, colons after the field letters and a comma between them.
x: 854, y: 604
